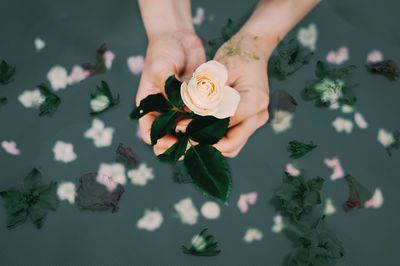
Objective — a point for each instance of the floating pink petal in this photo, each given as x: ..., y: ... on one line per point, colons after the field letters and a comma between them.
x: 10, y: 147
x: 374, y: 56
x: 135, y: 64
x: 108, y: 58
x: 338, y: 57
x: 376, y: 201
x: 245, y: 200
x: 336, y: 166
x: 198, y: 19
x: 77, y: 74
x: 360, y: 121
x: 291, y: 170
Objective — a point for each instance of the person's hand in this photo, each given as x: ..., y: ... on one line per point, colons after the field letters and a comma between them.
x: 245, y: 56
x: 179, y: 54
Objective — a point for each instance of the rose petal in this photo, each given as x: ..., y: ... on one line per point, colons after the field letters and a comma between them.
x: 229, y: 103
x: 215, y: 69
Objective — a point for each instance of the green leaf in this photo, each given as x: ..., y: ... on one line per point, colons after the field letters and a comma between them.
x: 321, y: 70
x: 7, y: 73
x: 102, y: 99
x: 48, y: 197
x: 358, y: 194
x: 175, y: 151
x: 15, y: 219
x: 152, y: 103
x: 209, y: 171
x: 33, y: 180
x: 51, y: 102
x: 207, y: 129
x: 173, y: 91
x: 298, y: 149
x: 37, y: 216
x: 162, y: 125
x: 202, y: 245
x: 13, y: 200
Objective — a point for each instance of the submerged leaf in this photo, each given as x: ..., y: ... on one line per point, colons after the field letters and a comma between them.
x: 202, y: 245
x: 127, y: 154
x: 3, y: 101
x: 51, y: 102
x: 32, y: 200
x: 209, y: 171
x: 92, y: 195
x: 288, y: 58
x: 100, y: 65
x: 387, y: 68
x: 7, y: 73
x: 298, y: 149
x: 358, y: 194
x: 316, y: 246
x: 297, y: 196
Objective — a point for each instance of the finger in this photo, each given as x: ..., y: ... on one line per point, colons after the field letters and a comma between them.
x: 164, y: 144
x: 145, y: 123
x: 252, y: 102
x: 237, y: 135
x: 182, y: 125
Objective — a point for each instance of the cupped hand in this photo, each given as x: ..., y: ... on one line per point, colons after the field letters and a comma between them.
x: 179, y: 54
x: 245, y: 57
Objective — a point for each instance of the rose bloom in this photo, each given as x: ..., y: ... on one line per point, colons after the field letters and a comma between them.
x: 206, y: 93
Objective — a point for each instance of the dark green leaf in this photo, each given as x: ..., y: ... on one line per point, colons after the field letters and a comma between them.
x: 175, y: 151
x: 173, y: 91
x: 152, y: 103
x: 15, y: 219
x: 288, y: 58
x: 37, y: 215
x: 202, y: 245
x: 298, y: 196
x: 33, y: 180
x: 102, y: 91
x: 298, y: 149
x: 209, y: 171
x: 51, y: 102
x: 7, y: 73
x: 48, y: 197
x: 162, y: 125
x: 207, y: 129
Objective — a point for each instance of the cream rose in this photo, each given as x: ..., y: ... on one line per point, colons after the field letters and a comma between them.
x: 207, y: 92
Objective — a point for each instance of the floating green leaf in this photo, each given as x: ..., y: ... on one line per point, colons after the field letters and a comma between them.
x: 163, y: 124
x: 102, y: 99
x: 297, y: 196
x: 202, y: 245
x: 173, y: 91
x: 209, y: 171
x: 207, y: 129
x: 152, y: 103
x: 358, y: 194
x: 7, y: 73
x: 298, y: 149
x: 51, y: 102
x: 332, y: 87
x: 32, y: 201
x: 288, y: 58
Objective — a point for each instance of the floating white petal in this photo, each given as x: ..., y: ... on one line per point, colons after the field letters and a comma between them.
x: 64, y: 152
x: 141, y: 175
x: 151, y: 220
x: 187, y: 211
x: 67, y: 191
x: 210, y: 210
x: 252, y: 234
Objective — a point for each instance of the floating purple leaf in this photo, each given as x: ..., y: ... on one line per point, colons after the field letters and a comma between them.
x: 127, y: 155
x: 387, y: 68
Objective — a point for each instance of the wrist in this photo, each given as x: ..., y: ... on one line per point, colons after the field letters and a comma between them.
x: 166, y: 17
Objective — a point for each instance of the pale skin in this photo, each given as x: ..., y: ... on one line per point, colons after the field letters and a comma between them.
x: 175, y: 49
